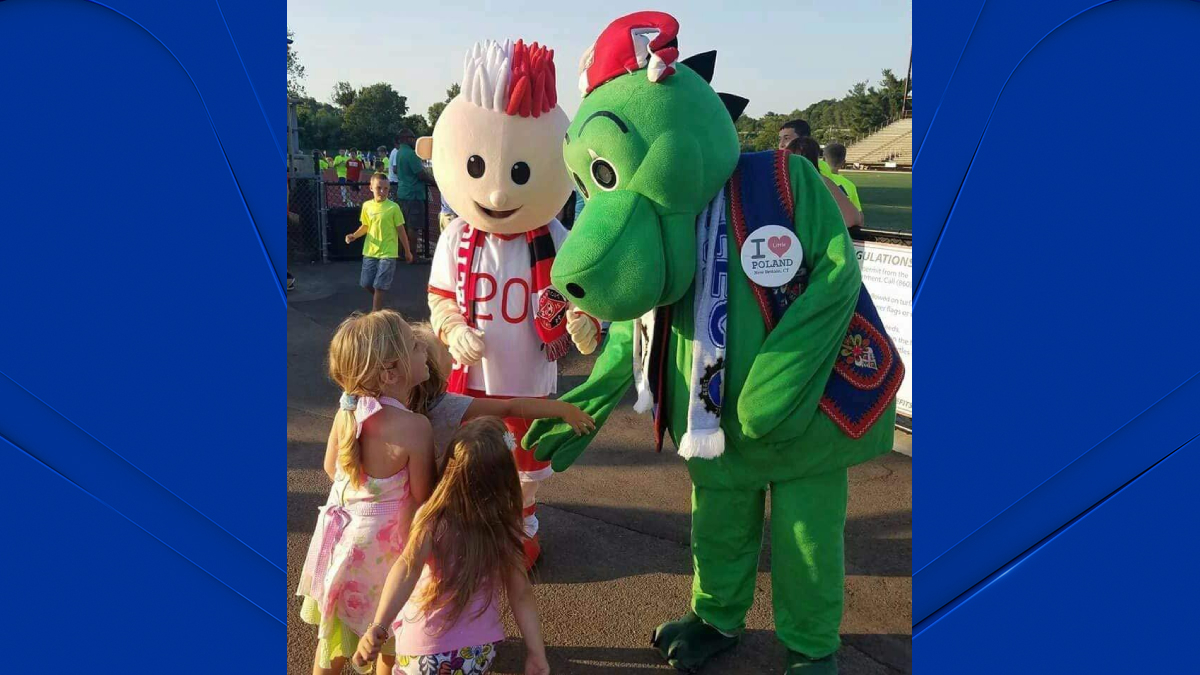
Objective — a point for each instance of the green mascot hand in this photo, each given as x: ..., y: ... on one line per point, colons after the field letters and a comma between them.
x: 555, y: 441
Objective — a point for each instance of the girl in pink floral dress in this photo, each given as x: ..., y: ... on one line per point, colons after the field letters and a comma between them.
x: 441, y: 602
x: 380, y: 457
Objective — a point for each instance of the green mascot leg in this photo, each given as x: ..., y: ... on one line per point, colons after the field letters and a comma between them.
x: 808, y: 520
x: 726, y: 538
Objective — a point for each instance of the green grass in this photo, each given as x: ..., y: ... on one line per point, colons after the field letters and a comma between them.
x: 886, y: 199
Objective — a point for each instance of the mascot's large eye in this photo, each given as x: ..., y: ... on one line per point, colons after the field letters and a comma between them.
x: 579, y: 182
x: 520, y: 173
x: 475, y: 166
x: 604, y: 174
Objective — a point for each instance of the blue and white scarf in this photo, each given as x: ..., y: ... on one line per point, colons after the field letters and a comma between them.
x: 703, y: 438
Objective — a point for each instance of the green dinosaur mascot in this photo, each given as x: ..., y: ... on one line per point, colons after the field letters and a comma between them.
x: 739, y: 315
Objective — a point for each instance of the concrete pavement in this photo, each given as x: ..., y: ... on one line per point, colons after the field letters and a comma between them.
x: 614, y: 528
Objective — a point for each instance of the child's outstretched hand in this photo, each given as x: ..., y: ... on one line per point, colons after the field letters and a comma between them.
x: 536, y: 664
x: 349, y: 239
x: 580, y: 421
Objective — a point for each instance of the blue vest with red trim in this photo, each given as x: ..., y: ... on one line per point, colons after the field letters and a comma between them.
x: 868, y: 370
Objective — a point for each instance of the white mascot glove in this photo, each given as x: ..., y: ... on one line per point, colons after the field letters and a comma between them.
x: 465, y: 343
x: 583, y: 330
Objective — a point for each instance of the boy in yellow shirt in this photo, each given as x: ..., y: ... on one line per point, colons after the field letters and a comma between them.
x: 835, y: 156
x: 382, y: 224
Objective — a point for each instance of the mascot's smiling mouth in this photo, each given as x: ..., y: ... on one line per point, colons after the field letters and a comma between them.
x: 496, y: 214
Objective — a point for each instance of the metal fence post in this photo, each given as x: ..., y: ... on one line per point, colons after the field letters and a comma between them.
x: 323, y: 220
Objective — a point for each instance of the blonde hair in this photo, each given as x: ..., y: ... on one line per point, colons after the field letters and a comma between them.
x: 364, y: 346
x: 473, y: 520
x: 379, y: 176
x: 439, y: 362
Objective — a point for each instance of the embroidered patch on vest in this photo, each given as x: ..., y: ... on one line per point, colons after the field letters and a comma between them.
x: 865, y: 375
x: 865, y: 358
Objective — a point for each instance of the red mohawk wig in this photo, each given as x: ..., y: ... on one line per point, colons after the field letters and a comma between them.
x: 531, y: 84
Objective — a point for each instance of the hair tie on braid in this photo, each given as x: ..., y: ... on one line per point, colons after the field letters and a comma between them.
x: 348, y: 402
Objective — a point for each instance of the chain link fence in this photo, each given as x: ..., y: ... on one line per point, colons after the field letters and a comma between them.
x: 305, y: 242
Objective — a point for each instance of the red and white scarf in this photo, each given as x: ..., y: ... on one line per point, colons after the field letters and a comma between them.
x: 550, y: 317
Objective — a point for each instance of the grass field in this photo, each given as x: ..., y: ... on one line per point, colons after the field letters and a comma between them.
x: 886, y: 199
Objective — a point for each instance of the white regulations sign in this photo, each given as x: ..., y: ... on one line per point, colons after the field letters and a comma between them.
x: 887, y: 274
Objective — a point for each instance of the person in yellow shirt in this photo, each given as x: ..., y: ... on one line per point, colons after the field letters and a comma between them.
x: 381, y: 159
x: 807, y: 147
x: 835, y: 156
x: 339, y: 165
x: 382, y: 223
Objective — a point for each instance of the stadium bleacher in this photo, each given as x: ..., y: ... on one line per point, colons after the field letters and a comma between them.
x: 892, y: 143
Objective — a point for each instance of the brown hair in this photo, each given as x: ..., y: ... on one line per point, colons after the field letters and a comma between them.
x: 380, y: 176
x: 473, y: 519
x: 364, y: 346
x: 439, y: 361
x: 835, y: 154
x: 807, y: 148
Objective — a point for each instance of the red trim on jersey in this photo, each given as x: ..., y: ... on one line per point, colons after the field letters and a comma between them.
x: 442, y: 292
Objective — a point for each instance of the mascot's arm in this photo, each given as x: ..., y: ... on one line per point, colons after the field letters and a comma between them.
x: 555, y: 440
x: 465, y: 343
x: 789, y: 374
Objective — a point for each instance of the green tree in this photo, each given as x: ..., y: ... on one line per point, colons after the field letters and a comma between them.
x: 295, y: 71
x: 319, y: 125
x: 766, y: 137
x: 435, y: 110
x: 344, y: 94
x: 747, y: 128
x: 418, y: 125
x: 374, y: 117
x: 891, y: 94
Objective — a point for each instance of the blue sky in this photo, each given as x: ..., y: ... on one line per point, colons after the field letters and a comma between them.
x: 779, y: 54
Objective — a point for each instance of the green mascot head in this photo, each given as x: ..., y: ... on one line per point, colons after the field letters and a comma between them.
x: 651, y: 145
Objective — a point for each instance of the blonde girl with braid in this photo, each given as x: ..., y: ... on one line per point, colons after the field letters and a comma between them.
x: 380, y: 457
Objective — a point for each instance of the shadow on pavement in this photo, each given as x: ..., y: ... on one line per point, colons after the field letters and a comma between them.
x: 758, y: 652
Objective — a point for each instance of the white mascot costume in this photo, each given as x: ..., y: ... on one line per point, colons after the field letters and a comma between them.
x: 497, y: 158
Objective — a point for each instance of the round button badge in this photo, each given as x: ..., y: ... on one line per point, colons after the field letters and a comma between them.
x: 772, y: 256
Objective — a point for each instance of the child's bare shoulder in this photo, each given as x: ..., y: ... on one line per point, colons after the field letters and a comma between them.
x: 413, y: 428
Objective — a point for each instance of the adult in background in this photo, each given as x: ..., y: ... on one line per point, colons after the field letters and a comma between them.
x: 409, y: 178
x: 793, y: 129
